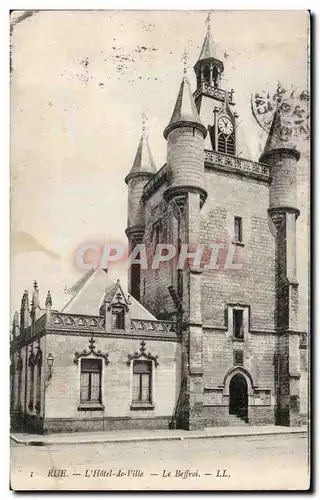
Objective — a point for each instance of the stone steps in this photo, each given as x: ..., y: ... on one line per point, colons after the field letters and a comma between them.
x: 234, y: 420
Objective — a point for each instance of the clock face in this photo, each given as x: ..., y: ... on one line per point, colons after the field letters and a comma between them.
x: 225, y: 125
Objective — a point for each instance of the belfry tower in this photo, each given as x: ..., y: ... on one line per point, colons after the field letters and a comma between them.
x: 282, y: 157
x: 142, y: 170
x: 213, y: 103
x: 185, y: 135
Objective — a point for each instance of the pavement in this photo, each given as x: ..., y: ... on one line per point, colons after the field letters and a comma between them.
x: 127, y: 436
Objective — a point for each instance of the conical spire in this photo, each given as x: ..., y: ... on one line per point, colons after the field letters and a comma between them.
x: 143, y: 162
x: 207, y: 52
x: 279, y: 137
x: 207, y: 49
x: 185, y: 110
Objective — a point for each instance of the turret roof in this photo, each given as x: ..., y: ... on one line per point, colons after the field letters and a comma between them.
x: 143, y: 162
x: 279, y: 137
x: 185, y: 110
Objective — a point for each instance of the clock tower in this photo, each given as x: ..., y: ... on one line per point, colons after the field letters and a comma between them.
x: 213, y: 103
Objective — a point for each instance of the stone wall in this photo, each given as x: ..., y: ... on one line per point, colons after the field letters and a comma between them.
x: 63, y: 391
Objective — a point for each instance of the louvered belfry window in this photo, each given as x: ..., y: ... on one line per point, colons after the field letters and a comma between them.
x: 226, y: 143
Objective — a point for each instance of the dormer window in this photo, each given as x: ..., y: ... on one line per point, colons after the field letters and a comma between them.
x: 118, y: 320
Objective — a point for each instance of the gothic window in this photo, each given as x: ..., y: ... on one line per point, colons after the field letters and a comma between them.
x: 230, y: 150
x: 238, y: 229
x: 226, y: 143
x: 142, y: 380
x: 238, y: 329
x: 90, y: 381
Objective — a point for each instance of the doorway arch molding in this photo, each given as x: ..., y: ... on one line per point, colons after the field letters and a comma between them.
x: 234, y: 371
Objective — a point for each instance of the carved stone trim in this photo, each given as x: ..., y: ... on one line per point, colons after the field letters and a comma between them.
x: 233, y: 164
x: 143, y: 354
x: 92, y: 350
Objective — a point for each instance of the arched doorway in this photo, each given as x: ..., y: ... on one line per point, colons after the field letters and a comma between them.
x: 238, y: 396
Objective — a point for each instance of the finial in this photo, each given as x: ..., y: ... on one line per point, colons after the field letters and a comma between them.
x: 144, y: 119
x: 208, y: 21
x: 185, y: 58
x: 35, y: 285
x: 48, y: 299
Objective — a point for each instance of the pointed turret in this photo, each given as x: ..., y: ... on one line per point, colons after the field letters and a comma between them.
x: 279, y: 137
x: 185, y: 111
x: 281, y: 154
x: 143, y: 169
x: 143, y: 163
x: 185, y: 145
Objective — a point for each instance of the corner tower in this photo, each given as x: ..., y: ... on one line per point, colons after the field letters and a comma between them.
x: 282, y: 157
x: 142, y: 170
x: 185, y: 135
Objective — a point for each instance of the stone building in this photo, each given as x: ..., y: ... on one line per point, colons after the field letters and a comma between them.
x: 190, y: 347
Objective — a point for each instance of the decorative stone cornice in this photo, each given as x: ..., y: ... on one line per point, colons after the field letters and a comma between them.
x: 210, y: 91
x: 179, y: 193
x: 239, y: 166
x: 135, y: 232
x: 143, y: 354
x: 274, y: 211
x: 92, y: 351
x: 155, y: 182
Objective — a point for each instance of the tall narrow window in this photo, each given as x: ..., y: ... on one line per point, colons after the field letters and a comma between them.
x: 118, y: 320
x: 90, y: 382
x: 31, y: 386
x: 157, y: 228
x: 238, y: 330
x: 142, y: 380
x: 238, y: 229
x: 19, y: 368
x: 12, y: 381
x: 135, y: 279
x: 38, y: 388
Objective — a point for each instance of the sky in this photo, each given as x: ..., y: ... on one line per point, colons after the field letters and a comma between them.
x: 80, y: 82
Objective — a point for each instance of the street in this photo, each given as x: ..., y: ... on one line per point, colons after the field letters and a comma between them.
x: 255, y: 462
